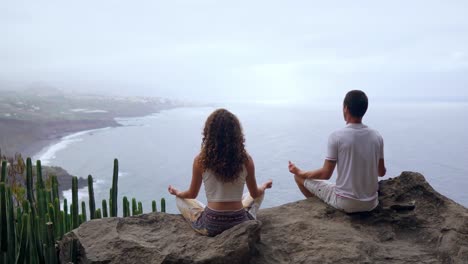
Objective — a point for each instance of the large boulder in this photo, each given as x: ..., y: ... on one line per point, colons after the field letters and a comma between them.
x: 413, y: 224
x: 157, y: 238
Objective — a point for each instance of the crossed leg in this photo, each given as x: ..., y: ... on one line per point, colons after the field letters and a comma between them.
x: 302, y: 188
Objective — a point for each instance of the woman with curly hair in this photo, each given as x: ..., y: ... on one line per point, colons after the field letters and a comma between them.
x: 224, y: 166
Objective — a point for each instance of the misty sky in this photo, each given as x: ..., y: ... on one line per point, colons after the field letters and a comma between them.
x: 238, y: 50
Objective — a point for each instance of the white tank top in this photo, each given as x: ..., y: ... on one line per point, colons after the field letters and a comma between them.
x: 217, y: 191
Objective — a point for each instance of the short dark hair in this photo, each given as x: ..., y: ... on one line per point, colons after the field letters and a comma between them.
x: 357, y: 103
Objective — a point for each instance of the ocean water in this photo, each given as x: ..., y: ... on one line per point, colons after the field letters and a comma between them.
x: 158, y: 150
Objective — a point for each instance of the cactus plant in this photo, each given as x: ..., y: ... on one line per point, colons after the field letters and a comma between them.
x: 134, y: 207
x: 4, y: 171
x: 23, y: 247
x: 75, y: 206
x: 92, y: 202
x: 83, y: 211
x: 55, y: 192
x: 126, y: 210
x: 66, y: 223
x: 51, y: 254
x: 104, y: 208
x: 115, y: 178
x: 39, y: 180
x: 11, y: 227
x: 154, y: 206
x: 140, y: 208
x: 163, y: 205
x: 98, y: 214
x: 29, y: 184
x: 3, y: 219
x: 29, y: 227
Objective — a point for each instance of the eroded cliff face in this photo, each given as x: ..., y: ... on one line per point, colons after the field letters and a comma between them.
x: 413, y: 224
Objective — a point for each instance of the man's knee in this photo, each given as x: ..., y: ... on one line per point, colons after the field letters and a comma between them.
x: 299, y: 180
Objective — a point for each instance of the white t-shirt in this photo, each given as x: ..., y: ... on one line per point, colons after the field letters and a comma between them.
x: 357, y: 150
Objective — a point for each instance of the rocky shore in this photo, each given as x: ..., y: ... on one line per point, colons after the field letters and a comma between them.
x: 413, y: 224
x: 35, y: 119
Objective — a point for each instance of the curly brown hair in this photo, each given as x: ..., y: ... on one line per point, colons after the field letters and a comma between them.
x: 223, y: 150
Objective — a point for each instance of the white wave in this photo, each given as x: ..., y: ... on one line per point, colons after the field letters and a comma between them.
x: 82, y: 196
x: 123, y: 174
x: 47, y: 154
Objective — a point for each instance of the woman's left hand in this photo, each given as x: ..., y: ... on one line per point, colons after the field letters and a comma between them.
x: 173, y: 190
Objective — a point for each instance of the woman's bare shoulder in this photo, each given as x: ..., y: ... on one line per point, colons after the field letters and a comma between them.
x: 197, y: 162
x: 249, y: 163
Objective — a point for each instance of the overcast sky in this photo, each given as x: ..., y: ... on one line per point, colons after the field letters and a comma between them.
x: 238, y: 50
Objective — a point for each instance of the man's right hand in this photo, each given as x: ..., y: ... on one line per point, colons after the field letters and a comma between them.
x: 293, y: 168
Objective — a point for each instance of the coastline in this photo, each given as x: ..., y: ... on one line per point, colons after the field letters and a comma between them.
x: 31, y: 137
x: 45, y: 147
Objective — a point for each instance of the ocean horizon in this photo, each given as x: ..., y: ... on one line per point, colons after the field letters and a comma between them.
x: 157, y: 150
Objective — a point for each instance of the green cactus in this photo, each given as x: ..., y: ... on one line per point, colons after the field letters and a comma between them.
x: 163, y: 205
x: 28, y: 232
x: 140, y: 208
x: 74, y: 251
x: 57, y: 218
x: 155, y: 208
x: 19, y: 217
x: 4, y: 171
x: 134, y: 207
x: 98, y: 213
x: 75, y: 214
x: 39, y: 180
x: 55, y: 192
x: 29, y: 184
x: 3, y: 219
x: 92, y: 202
x: 51, y: 253
x: 11, y: 227
x: 60, y: 222
x: 115, y: 179
x: 66, y: 223
x: 104, y: 208
x: 126, y: 211
x: 23, y: 247
x: 51, y: 212
x: 38, y: 238
x: 83, y: 211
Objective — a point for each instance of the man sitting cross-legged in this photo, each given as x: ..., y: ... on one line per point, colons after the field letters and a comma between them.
x: 358, y: 152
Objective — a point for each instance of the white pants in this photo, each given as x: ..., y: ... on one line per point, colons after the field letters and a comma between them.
x: 191, y: 209
x: 325, y: 190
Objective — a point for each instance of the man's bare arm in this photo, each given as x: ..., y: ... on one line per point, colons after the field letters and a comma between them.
x: 323, y: 173
x: 382, y: 169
